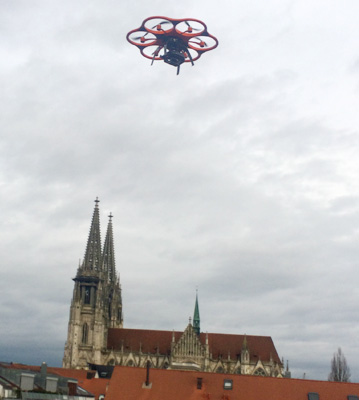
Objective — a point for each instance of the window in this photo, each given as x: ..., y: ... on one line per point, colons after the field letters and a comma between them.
x: 87, y: 298
x: 85, y: 331
x: 259, y: 372
x: 228, y: 384
x: 313, y: 396
x: 353, y: 397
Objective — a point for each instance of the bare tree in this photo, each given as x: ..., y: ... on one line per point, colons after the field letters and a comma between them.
x: 340, y: 372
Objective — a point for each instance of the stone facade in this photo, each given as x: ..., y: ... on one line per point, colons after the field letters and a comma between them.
x: 96, y: 334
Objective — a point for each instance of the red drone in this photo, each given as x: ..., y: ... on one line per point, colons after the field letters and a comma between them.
x: 173, y: 41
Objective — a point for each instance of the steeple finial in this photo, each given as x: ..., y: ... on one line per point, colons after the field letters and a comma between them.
x: 196, y: 318
x: 93, y: 255
x: 244, y: 344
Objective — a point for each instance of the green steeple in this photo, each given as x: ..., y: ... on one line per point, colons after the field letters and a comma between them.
x: 196, y: 319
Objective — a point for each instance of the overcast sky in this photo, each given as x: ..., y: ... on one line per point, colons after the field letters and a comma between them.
x: 239, y: 176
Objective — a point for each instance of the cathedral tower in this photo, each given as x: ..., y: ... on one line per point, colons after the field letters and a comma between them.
x: 97, y: 303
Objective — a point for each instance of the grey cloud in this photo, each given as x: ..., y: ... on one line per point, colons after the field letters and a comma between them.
x: 229, y: 176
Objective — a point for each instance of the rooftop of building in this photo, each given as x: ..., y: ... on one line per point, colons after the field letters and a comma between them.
x: 220, y: 344
x: 129, y: 383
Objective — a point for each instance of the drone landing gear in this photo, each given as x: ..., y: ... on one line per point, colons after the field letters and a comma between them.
x: 176, y: 53
x: 175, y: 58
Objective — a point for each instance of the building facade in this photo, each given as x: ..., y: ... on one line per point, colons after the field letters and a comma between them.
x: 96, y: 334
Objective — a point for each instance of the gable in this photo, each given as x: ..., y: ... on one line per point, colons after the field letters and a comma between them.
x: 189, y: 345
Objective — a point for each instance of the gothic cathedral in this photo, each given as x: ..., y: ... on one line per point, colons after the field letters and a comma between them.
x: 96, y: 334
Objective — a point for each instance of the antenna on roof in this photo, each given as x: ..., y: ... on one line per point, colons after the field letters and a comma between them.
x: 148, y: 372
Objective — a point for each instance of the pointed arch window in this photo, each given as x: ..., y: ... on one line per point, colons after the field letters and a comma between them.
x: 87, y: 296
x: 85, y: 332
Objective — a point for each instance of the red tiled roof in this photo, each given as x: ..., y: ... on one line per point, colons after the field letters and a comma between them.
x: 95, y: 386
x: 148, y: 340
x: 260, y: 347
x: 34, y: 368
x: 127, y: 384
x: 79, y: 374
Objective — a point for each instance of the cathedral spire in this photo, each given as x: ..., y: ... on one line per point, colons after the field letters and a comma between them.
x: 92, y: 259
x: 196, y: 319
x: 109, y: 254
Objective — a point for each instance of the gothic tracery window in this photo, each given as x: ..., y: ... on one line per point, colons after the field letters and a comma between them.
x: 85, y: 330
x: 259, y: 372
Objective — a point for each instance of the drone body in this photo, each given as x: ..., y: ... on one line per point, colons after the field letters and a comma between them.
x: 174, y: 41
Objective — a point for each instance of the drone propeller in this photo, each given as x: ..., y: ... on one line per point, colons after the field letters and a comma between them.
x: 201, y: 43
x: 159, y: 26
x: 190, y: 28
x: 142, y: 37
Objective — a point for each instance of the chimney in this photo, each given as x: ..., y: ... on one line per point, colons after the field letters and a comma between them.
x: 51, y: 384
x: 199, y: 383
x: 27, y: 381
x: 72, y: 385
x: 43, y: 370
